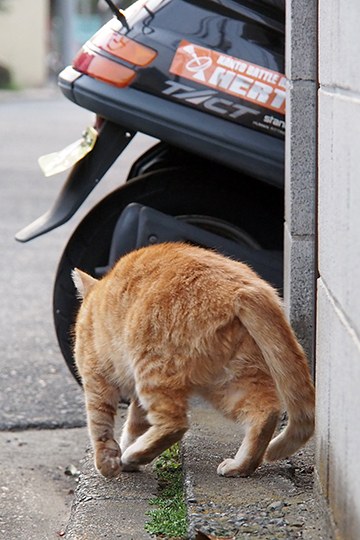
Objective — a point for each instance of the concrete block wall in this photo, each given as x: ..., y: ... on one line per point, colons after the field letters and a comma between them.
x: 301, y: 168
x: 338, y: 288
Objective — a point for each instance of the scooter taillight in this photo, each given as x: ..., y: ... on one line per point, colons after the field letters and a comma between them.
x: 94, y: 59
x: 102, y: 68
x: 123, y: 47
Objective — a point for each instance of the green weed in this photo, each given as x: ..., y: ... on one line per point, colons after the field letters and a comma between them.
x: 168, y: 519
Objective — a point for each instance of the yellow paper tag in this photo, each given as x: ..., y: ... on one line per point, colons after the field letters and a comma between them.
x: 57, y: 162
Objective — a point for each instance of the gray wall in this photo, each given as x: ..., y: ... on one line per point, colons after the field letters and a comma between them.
x: 322, y: 233
x: 338, y: 287
x: 300, y: 169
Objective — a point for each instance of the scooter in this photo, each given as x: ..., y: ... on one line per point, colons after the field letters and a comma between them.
x: 204, y: 77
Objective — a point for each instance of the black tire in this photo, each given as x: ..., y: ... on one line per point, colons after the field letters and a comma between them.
x: 238, y: 208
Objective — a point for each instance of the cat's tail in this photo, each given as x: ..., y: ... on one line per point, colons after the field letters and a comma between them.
x: 83, y: 283
x: 261, y: 313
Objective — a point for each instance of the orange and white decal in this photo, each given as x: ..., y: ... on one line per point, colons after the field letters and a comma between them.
x: 231, y: 75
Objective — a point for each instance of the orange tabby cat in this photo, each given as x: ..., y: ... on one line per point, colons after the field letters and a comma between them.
x: 170, y: 321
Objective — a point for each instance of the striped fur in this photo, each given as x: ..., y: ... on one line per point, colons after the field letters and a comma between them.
x: 170, y: 321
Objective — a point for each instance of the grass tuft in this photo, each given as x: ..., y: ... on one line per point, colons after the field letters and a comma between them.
x: 168, y: 519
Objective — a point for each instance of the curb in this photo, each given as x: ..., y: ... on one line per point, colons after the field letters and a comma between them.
x: 107, y: 509
x: 110, y: 509
x: 277, y: 502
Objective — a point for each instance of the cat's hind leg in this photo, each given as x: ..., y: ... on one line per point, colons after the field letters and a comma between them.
x: 102, y: 399
x: 251, y: 452
x: 258, y: 412
x: 167, y: 421
x: 136, y: 424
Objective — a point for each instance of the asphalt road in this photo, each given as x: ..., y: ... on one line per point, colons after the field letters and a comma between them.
x: 41, y: 407
x: 36, y: 388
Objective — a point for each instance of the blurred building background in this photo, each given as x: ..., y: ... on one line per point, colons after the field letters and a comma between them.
x: 38, y: 39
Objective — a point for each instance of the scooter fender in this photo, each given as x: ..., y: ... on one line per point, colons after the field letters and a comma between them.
x: 83, y: 177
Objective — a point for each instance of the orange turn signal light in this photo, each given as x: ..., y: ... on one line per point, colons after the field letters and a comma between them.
x: 123, y: 47
x: 103, y: 69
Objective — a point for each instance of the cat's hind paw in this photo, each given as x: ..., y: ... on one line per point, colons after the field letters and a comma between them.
x: 108, y: 459
x: 131, y: 467
x: 227, y: 468
x: 231, y: 467
x: 128, y: 464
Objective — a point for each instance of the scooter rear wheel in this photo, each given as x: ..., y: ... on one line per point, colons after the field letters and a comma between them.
x: 242, y: 209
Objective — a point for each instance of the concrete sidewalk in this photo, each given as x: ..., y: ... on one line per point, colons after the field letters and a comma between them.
x: 111, y: 508
x: 277, y: 502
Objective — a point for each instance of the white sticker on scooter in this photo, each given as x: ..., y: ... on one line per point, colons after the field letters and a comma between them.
x: 57, y: 162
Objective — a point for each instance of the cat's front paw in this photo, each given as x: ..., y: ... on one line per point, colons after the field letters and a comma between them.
x: 230, y: 467
x: 108, y: 458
